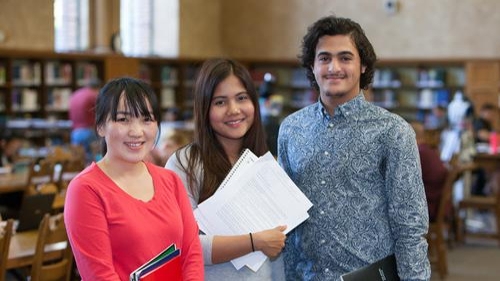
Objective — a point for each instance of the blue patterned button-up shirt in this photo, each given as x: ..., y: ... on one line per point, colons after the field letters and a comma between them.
x: 361, y: 170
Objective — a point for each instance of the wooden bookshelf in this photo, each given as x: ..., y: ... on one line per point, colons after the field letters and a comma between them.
x: 37, y: 85
x: 172, y: 80
x: 35, y: 88
x: 413, y: 88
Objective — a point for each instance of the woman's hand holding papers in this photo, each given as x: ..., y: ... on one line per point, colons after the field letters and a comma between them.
x: 270, y: 241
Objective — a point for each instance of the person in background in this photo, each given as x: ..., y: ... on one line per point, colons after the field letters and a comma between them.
x: 9, y: 150
x: 121, y: 211
x: 270, y: 109
x: 174, y: 140
x: 227, y: 120
x: 483, y: 124
x: 81, y: 114
x: 356, y: 162
x: 437, y: 120
x: 434, y: 171
x: 482, y: 128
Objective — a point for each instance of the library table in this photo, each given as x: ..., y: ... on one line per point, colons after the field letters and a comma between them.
x: 487, y: 160
x: 22, y: 249
x: 13, y: 182
x: 490, y: 163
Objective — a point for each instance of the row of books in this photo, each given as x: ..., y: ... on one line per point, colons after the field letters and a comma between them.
x: 26, y: 73
x: 423, y: 99
x: 420, y: 78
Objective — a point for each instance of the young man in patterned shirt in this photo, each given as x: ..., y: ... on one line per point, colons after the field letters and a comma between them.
x: 356, y: 162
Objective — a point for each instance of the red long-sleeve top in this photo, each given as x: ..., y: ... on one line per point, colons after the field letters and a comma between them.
x: 112, y: 233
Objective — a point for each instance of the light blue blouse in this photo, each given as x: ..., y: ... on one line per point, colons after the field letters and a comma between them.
x: 361, y: 170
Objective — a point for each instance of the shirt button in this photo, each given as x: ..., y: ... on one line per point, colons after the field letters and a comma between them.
x: 330, y: 125
x: 327, y: 270
x: 322, y: 241
x: 323, y: 182
x: 321, y: 212
x: 326, y: 153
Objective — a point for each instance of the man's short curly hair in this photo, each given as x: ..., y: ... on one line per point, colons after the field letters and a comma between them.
x: 332, y: 25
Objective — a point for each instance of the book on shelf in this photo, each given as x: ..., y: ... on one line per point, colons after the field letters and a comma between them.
x: 58, y: 99
x: 169, y: 76
x: 85, y: 72
x: 167, y: 97
x: 57, y: 73
x: 164, y: 266
x: 3, y: 76
x: 384, y: 270
x: 24, y: 99
x: 25, y: 73
x: 2, y: 102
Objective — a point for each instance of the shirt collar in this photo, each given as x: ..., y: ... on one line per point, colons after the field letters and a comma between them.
x: 346, y: 109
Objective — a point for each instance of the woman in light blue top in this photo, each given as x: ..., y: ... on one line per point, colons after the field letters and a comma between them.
x: 227, y: 120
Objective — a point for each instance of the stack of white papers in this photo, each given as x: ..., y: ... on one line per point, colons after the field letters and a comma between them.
x: 256, y: 195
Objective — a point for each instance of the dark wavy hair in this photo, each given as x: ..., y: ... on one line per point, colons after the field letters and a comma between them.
x: 205, y: 149
x: 138, y: 95
x: 332, y: 25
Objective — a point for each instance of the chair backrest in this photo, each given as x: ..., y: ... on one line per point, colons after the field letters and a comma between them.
x: 52, y: 230
x: 6, y: 235
x: 58, y: 154
x: 69, y: 170
x: 40, y: 173
x: 456, y: 172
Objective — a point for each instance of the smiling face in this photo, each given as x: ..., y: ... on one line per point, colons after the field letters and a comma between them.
x: 129, y: 138
x: 231, y: 111
x: 337, y: 69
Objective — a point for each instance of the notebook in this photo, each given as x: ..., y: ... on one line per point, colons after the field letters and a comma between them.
x: 383, y: 270
x: 165, y: 266
x: 33, y: 208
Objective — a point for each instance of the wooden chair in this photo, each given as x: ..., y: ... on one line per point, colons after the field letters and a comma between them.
x: 486, y: 203
x: 52, y: 230
x: 443, y: 225
x: 40, y: 179
x: 39, y: 174
x: 69, y: 170
x: 6, y: 235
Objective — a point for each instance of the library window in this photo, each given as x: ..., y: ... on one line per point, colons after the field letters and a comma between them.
x: 71, y: 25
x: 149, y: 27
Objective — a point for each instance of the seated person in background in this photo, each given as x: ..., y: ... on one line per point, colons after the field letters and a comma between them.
x: 9, y: 150
x: 482, y: 128
x: 434, y: 172
x: 174, y: 140
x: 483, y: 124
x: 437, y: 120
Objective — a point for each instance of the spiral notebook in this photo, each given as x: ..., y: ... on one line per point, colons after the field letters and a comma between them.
x: 256, y: 194
x: 247, y: 157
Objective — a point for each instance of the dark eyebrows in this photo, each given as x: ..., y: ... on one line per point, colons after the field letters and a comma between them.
x: 242, y: 93
x: 342, y: 53
x: 323, y: 53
